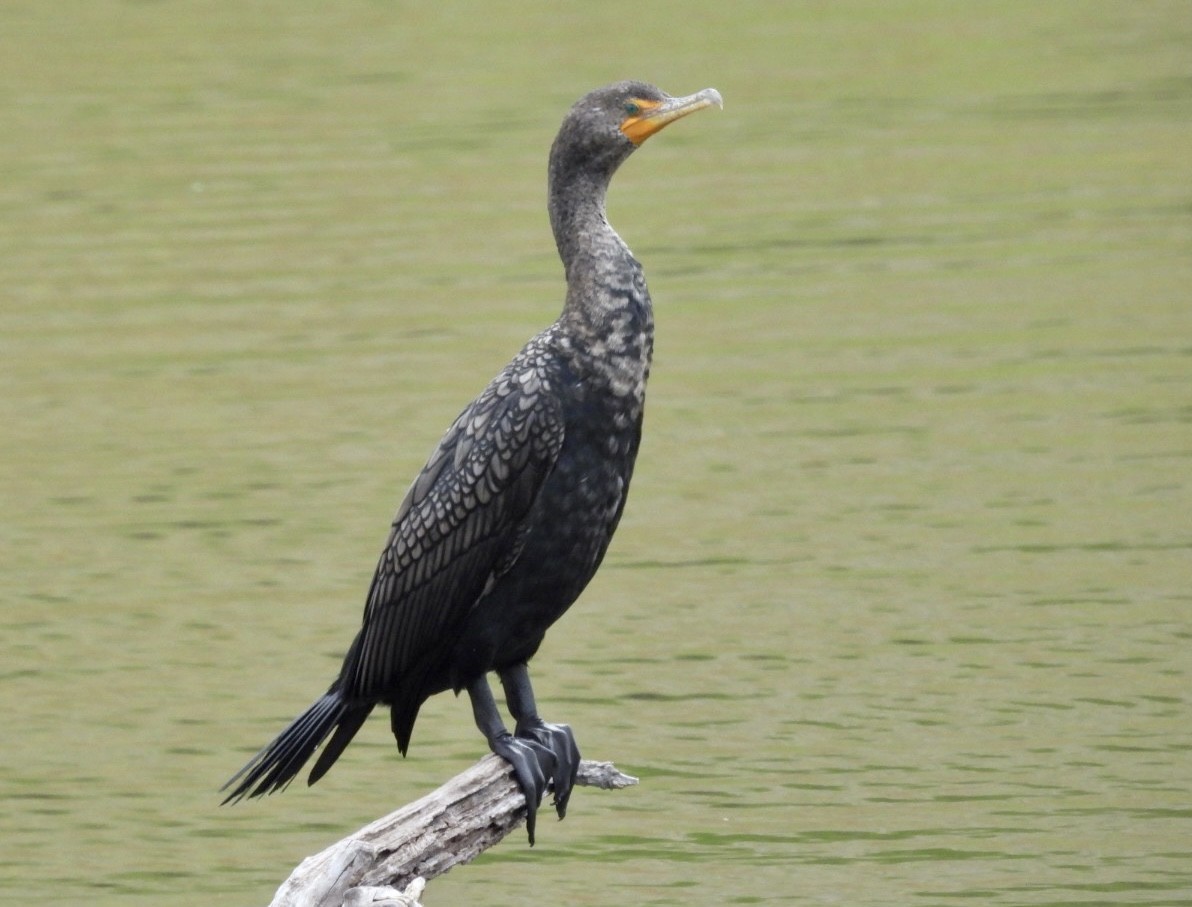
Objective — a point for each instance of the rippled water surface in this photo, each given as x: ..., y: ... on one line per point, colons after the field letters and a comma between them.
x: 899, y: 613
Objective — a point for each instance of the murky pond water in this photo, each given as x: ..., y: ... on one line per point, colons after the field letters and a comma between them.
x: 900, y: 610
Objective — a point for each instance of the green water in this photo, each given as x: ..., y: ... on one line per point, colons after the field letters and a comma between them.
x: 899, y: 613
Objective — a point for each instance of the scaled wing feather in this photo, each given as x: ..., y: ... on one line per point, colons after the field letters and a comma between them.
x: 460, y: 526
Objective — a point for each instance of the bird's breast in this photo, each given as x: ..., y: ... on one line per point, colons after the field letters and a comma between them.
x: 608, y: 364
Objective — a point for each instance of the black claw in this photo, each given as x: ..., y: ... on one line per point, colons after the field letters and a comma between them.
x: 560, y: 742
x: 532, y: 762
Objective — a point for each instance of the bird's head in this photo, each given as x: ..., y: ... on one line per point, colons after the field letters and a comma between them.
x: 606, y: 125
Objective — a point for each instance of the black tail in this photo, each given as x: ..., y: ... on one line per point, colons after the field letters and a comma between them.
x: 274, y: 767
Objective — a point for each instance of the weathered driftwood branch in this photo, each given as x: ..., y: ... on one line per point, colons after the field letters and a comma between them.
x: 385, y: 863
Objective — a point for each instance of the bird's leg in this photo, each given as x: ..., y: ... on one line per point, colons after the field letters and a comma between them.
x: 532, y: 760
x: 519, y: 695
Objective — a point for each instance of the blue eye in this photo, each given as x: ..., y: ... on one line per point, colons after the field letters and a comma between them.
x: 632, y: 108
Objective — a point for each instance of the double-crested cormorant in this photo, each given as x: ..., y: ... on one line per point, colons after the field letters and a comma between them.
x: 510, y: 518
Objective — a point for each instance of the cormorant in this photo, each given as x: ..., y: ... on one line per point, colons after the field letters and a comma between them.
x: 508, y: 521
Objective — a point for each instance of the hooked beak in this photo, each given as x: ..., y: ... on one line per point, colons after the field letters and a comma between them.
x: 653, y: 115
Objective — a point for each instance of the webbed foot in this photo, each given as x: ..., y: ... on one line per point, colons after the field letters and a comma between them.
x: 560, y: 741
x: 533, y: 763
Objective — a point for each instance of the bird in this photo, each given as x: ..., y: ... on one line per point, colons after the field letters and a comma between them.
x: 511, y: 516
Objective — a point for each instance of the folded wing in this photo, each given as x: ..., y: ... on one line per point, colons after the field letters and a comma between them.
x: 460, y: 527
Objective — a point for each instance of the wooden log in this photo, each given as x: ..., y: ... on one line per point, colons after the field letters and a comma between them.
x: 386, y: 863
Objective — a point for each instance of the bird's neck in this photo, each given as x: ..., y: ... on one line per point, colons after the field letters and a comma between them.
x: 604, y: 280
x: 606, y: 330
x: 578, y: 219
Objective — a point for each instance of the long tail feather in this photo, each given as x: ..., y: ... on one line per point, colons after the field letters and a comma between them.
x: 348, y: 726
x: 275, y: 766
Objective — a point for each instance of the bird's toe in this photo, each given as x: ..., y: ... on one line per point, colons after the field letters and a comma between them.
x: 560, y: 741
x: 533, y: 763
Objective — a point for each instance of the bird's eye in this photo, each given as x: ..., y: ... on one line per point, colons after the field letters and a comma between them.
x: 632, y: 108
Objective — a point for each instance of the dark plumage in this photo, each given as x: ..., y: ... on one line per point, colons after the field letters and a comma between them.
x: 511, y: 516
